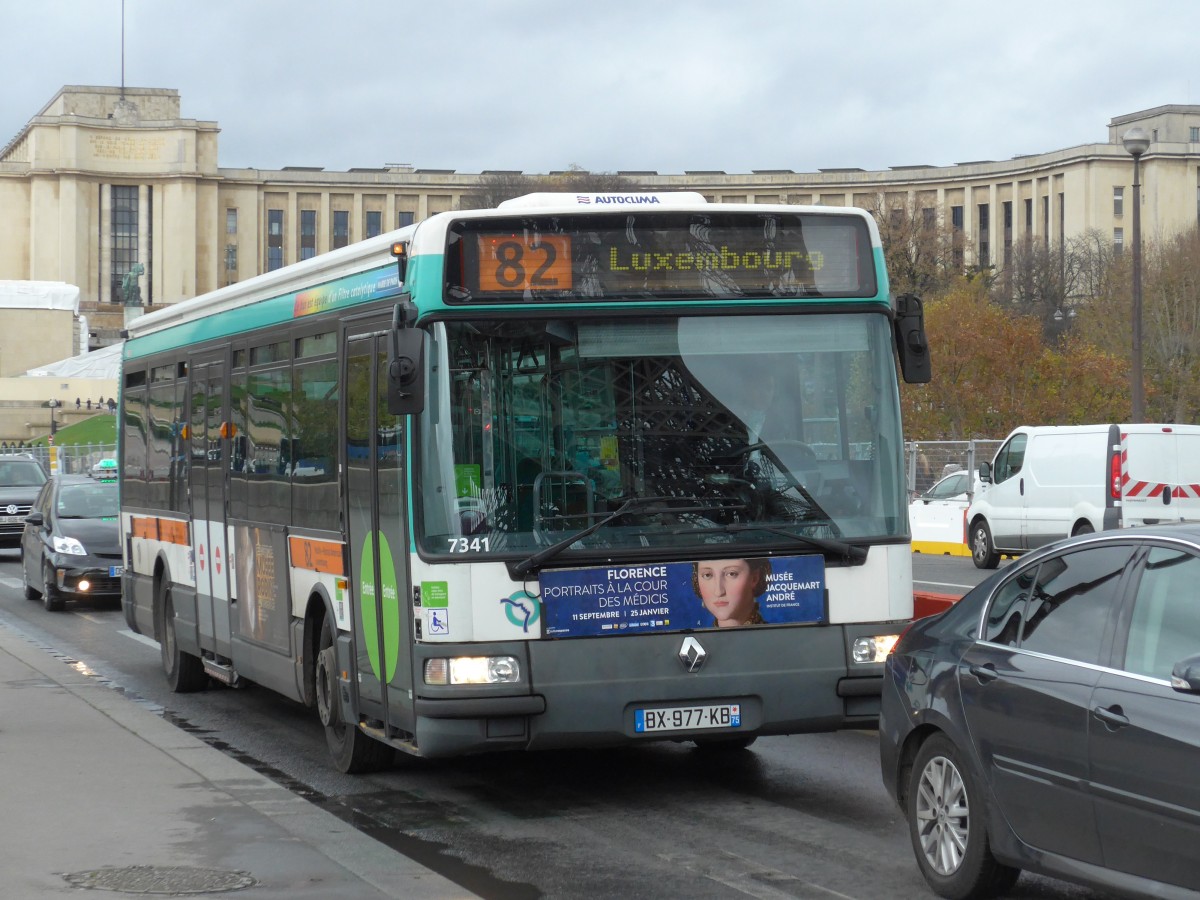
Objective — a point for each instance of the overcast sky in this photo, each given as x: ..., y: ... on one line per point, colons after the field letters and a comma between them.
x: 540, y: 85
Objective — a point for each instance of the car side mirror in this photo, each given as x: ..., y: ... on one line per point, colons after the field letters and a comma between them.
x: 1185, y: 676
x: 985, y: 473
x: 35, y: 519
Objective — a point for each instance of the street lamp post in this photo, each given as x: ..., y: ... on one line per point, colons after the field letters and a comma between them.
x: 1136, y: 143
x: 53, y: 404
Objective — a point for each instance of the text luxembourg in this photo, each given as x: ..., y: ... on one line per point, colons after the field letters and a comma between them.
x: 722, y: 260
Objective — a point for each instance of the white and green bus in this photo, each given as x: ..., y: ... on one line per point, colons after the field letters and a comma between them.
x: 578, y: 471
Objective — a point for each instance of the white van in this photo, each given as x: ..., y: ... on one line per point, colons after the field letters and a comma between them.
x: 1046, y: 483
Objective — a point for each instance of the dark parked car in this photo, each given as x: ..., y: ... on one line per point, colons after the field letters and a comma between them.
x: 71, y: 547
x: 21, y: 477
x: 1050, y: 721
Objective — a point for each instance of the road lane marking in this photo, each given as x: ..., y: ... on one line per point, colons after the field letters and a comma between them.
x: 966, y: 587
x: 139, y: 639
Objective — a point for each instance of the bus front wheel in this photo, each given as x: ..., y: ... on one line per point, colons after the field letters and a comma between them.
x: 352, y: 750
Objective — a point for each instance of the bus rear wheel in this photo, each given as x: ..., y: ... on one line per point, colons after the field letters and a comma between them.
x: 352, y: 751
x: 185, y: 673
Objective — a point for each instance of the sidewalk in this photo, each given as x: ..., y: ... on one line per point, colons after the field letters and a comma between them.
x: 96, y: 791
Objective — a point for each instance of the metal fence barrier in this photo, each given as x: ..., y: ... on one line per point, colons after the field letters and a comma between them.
x: 928, y: 462
x: 73, y: 459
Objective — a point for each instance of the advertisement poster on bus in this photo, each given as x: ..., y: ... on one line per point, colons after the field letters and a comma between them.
x: 713, y: 593
x: 261, y: 567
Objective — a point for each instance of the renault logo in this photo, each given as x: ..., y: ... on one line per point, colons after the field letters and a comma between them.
x: 692, y: 655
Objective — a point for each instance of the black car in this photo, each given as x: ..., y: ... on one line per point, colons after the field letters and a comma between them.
x: 21, y: 477
x: 71, y: 547
x: 1050, y: 721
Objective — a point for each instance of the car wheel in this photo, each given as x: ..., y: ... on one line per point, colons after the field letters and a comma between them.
x: 983, y: 551
x: 947, y: 822
x: 51, y: 598
x: 185, y: 673
x: 352, y: 750
x: 1083, y: 528
x: 31, y: 593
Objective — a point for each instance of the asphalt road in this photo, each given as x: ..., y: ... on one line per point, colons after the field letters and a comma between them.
x: 948, y: 574
x: 803, y: 816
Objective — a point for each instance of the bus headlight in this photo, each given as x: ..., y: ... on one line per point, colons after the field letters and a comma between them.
x: 473, y: 670
x: 873, y: 649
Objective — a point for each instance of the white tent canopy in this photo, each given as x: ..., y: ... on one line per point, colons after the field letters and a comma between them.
x: 102, y: 363
x: 39, y: 295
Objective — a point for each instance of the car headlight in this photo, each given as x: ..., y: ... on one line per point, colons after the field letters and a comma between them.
x: 874, y: 648
x: 68, y: 546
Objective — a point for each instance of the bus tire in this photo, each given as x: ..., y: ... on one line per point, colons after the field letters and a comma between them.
x: 185, y: 673
x: 352, y: 750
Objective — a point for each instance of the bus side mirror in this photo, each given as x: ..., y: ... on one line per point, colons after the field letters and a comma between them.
x: 406, y: 369
x: 912, y: 347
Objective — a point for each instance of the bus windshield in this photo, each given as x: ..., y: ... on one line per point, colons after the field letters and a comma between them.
x: 752, y: 430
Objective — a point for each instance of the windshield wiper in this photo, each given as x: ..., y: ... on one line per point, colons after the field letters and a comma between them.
x: 633, y: 504
x: 849, y: 552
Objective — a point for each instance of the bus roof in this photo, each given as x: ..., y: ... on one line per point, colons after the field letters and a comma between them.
x: 366, y: 267
x: 605, y: 201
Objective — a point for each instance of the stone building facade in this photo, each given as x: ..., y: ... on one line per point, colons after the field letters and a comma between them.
x: 114, y: 191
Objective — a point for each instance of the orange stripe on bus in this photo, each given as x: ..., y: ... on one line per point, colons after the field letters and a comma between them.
x: 143, y: 527
x: 170, y: 530
x: 317, y: 556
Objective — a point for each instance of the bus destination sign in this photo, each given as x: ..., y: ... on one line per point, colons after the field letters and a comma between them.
x: 663, y: 255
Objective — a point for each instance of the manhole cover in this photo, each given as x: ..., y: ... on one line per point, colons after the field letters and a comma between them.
x: 161, y: 880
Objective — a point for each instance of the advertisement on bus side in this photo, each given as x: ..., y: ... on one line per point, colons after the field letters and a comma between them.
x: 711, y: 593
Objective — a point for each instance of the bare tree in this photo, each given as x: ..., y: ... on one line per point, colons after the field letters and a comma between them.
x: 496, y: 187
x: 916, y: 246
x: 493, y: 188
x: 1171, y: 341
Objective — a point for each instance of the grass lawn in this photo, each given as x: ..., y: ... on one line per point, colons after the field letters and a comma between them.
x: 99, y: 429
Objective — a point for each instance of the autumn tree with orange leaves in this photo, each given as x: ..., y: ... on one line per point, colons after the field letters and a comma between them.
x: 992, y: 372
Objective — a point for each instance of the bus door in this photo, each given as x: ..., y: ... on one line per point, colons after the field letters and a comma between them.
x: 207, y: 402
x: 376, y: 521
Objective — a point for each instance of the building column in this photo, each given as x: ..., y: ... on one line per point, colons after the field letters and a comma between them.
x: 291, y: 230
x: 104, y: 295
x: 143, y: 254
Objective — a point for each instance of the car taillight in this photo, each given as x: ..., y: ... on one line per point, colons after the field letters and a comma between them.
x: 1115, y: 476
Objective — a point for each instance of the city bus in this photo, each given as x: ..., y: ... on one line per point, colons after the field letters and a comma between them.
x: 577, y: 471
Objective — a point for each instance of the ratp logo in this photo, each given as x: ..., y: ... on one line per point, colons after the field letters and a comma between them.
x: 522, y: 609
